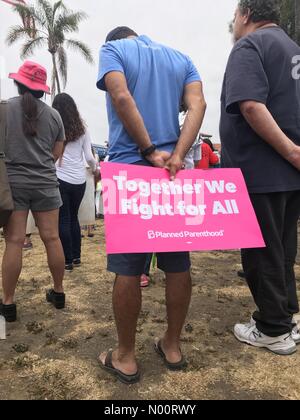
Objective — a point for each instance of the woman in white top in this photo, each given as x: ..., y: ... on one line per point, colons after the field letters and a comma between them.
x: 71, y: 173
x: 87, y: 210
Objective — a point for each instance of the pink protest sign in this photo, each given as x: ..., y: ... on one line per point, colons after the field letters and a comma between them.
x: 201, y: 210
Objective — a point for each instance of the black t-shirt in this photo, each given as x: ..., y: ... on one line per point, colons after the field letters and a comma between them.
x: 261, y: 68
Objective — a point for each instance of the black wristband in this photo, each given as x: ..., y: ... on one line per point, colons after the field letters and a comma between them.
x: 149, y: 151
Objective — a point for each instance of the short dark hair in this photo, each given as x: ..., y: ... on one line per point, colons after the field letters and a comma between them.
x: 121, y: 32
x: 261, y: 10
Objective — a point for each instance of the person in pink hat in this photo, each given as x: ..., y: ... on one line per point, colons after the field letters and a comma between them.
x: 35, y: 139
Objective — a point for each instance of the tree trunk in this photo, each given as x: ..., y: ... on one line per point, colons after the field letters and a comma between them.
x: 56, y: 76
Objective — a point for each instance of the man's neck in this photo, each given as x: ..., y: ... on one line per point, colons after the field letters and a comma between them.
x: 261, y: 25
x: 267, y: 25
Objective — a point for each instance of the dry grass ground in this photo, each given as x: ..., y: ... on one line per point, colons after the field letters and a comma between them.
x: 53, y: 355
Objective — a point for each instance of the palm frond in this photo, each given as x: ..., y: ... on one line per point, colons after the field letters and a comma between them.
x: 63, y: 65
x: 69, y: 21
x: 45, y: 8
x: 22, y: 9
x: 29, y: 47
x: 82, y: 48
x: 30, y: 11
x: 16, y: 33
x: 57, y: 6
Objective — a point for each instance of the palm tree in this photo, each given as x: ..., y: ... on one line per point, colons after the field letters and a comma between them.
x: 52, y: 24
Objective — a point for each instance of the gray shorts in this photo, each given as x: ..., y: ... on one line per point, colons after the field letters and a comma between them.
x: 38, y: 200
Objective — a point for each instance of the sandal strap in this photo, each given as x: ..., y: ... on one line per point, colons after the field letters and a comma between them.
x: 108, y: 360
x: 159, y: 347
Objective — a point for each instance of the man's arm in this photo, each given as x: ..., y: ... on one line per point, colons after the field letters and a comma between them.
x: 58, y: 150
x: 195, y: 103
x: 262, y: 122
x: 130, y: 116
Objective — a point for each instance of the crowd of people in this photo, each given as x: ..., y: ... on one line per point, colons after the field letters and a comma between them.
x: 147, y: 84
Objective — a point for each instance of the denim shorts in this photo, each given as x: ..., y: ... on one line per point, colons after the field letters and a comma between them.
x: 36, y: 200
x: 133, y: 265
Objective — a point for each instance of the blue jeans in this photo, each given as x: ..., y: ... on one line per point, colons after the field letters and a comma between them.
x: 69, y: 228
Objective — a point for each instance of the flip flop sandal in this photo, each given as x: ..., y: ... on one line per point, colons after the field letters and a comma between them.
x: 125, y: 379
x: 179, y: 366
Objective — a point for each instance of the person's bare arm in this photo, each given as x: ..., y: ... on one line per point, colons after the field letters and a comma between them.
x: 262, y: 122
x: 130, y: 116
x: 58, y: 150
x: 196, y: 106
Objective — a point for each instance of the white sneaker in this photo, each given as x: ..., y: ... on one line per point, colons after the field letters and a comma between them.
x: 296, y: 333
x: 283, y: 345
x: 252, y: 322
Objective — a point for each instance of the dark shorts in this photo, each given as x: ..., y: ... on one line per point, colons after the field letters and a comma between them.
x: 134, y: 264
x: 38, y: 200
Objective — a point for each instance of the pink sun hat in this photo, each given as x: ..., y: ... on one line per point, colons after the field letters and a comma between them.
x: 33, y: 76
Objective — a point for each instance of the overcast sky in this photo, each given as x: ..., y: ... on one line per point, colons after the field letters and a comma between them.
x: 198, y: 28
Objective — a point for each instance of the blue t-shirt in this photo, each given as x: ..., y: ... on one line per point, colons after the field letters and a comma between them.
x: 156, y: 77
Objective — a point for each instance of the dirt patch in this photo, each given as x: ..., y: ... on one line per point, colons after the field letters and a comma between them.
x: 53, y: 355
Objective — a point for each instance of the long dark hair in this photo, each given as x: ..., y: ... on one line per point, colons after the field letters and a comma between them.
x: 73, y: 123
x: 30, y: 109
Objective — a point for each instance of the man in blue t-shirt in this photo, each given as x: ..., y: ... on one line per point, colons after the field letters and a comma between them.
x: 260, y: 133
x: 145, y: 83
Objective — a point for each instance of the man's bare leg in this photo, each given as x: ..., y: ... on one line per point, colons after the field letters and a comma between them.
x: 178, y: 298
x: 127, y: 300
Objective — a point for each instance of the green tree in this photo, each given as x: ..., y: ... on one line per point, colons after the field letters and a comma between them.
x: 52, y: 25
x: 288, y: 16
x: 297, y: 21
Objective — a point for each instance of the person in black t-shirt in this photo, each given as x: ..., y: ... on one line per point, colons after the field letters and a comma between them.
x: 260, y: 133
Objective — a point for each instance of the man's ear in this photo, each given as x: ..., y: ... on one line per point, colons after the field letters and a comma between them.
x: 247, y: 17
